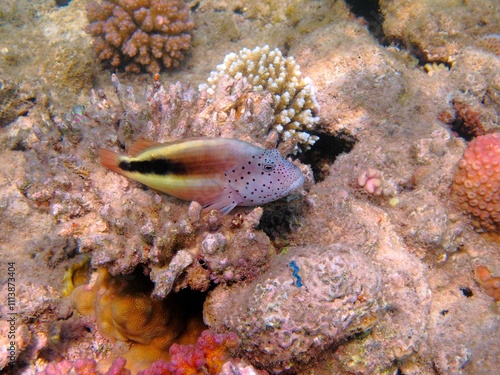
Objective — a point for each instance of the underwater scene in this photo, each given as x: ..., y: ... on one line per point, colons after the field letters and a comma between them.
x: 250, y: 187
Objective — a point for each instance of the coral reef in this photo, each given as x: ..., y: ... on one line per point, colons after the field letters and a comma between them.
x: 489, y: 283
x: 295, y: 104
x: 378, y: 108
x: 437, y: 30
x: 140, y: 34
x: 477, y: 181
x: 338, y: 286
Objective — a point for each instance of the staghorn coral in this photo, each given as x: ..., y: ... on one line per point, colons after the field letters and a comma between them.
x: 140, y: 34
x: 339, y: 290
x: 490, y: 284
x: 477, y: 182
x: 294, y: 100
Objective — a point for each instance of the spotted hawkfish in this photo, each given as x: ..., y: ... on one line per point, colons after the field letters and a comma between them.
x: 218, y: 173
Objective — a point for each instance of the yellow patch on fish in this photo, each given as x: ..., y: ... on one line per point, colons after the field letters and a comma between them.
x: 218, y: 173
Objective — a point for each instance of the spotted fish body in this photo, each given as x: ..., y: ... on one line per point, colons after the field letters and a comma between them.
x: 219, y: 173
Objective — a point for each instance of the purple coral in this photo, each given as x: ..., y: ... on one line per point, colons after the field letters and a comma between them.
x: 140, y: 34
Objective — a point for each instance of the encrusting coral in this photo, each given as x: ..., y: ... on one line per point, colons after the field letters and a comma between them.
x: 490, y: 43
x: 337, y: 286
x: 140, y: 34
x: 294, y: 100
x: 476, y: 183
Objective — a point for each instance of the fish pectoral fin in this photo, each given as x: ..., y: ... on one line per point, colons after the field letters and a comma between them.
x: 225, y: 202
x: 140, y: 146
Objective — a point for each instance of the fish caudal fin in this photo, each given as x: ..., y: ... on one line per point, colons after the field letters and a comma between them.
x: 110, y: 160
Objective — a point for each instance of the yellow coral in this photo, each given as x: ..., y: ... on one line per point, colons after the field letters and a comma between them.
x: 76, y: 275
x: 124, y: 311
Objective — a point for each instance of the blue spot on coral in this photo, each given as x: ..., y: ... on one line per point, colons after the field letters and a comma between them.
x: 295, y: 273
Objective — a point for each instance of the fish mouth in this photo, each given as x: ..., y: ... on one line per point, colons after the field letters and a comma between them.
x: 296, y: 184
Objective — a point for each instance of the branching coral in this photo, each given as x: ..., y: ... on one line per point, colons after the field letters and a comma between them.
x: 294, y: 99
x: 140, y: 34
x: 476, y: 184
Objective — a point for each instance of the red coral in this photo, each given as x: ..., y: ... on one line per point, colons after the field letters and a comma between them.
x: 468, y: 120
x: 207, y: 356
x: 140, y: 34
x: 476, y: 185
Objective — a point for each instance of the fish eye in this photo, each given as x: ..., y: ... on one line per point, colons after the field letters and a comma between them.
x: 268, y: 167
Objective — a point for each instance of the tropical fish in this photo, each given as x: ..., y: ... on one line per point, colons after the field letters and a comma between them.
x: 218, y: 173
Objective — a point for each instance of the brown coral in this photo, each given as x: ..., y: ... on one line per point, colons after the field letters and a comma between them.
x: 490, y: 43
x: 476, y: 185
x: 489, y: 283
x: 140, y: 34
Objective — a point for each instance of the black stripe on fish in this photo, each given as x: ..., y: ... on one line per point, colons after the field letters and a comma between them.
x: 160, y: 167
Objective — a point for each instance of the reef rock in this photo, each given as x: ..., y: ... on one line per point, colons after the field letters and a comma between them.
x: 310, y: 299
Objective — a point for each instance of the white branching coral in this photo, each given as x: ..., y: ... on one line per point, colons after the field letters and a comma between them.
x: 294, y: 99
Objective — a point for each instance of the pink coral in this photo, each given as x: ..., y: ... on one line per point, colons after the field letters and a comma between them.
x: 140, y: 34
x: 371, y: 180
x: 476, y: 184
x: 207, y: 356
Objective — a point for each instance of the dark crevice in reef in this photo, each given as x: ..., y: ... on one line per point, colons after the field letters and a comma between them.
x: 369, y: 11
x: 279, y: 219
x: 62, y: 3
x: 282, y: 217
x: 324, y: 152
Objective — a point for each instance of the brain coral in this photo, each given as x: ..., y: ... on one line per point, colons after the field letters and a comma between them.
x: 294, y: 99
x: 310, y: 299
x: 476, y: 185
x: 140, y: 34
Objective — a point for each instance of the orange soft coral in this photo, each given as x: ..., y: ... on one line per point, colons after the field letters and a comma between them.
x: 140, y: 34
x: 476, y: 185
x: 124, y: 311
x: 490, y: 284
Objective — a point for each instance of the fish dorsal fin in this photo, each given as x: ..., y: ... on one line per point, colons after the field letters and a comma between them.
x: 140, y: 146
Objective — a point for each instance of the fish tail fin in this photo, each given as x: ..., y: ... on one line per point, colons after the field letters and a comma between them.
x: 110, y: 160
